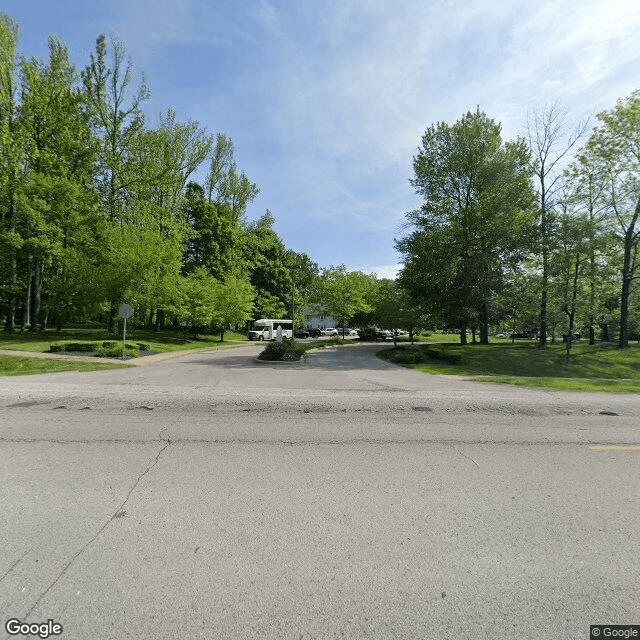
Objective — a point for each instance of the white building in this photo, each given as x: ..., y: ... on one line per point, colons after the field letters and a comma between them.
x: 313, y: 319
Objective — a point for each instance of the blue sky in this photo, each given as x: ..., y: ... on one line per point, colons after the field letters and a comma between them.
x: 326, y: 100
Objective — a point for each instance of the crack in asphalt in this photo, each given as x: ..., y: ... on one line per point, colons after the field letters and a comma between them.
x: 14, y: 565
x: 465, y: 455
x: 118, y: 513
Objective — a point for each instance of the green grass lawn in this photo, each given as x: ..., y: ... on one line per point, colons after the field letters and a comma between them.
x: 22, y: 366
x: 591, y: 368
x: 159, y: 342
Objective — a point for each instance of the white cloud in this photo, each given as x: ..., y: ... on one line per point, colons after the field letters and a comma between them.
x: 382, y: 271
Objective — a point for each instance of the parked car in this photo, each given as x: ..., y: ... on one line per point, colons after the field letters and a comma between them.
x: 301, y: 333
x: 371, y: 333
x: 315, y: 333
x: 330, y: 331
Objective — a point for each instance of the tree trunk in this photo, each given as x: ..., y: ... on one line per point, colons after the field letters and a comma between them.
x: 628, y: 267
x: 571, y: 310
x: 543, y: 302
x: 463, y: 335
x: 592, y: 295
x: 111, y: 322
x: 545, y: 261
x: 26, y: 315
x: 484, y: 325
x: 37, y: 293
x: 159, y: 320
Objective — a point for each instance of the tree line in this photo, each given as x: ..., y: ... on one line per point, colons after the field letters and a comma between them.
x: 98, y: 208
x: 536, y: 235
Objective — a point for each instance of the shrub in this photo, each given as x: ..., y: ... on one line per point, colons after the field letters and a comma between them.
x: 336, y: 340
x: 54, y: 348
x: 408, y: 357
x: 143, y: 346
x: 109, y: 344
x: 80, y: 346
x: 289, y: 350
x: 131, y: 351
x: 443, y: 356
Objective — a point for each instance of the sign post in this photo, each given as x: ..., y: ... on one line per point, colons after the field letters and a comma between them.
x: 125, y: 311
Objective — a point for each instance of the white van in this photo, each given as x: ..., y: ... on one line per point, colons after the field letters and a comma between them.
x: 267, y: 329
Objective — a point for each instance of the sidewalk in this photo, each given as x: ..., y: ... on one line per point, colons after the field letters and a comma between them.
x: 136, y: 362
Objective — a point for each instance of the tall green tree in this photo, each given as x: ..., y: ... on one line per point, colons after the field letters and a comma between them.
x: 615, y: 147
x: 11, y: 176
x: 224, y: 185
x: 395, y: 309
x: 118, y: 121
x: 60, y: 156
x: 550, y: 142
x: 343, y: 294
x: 214, y: 238
x: 233, y: 300
x: 304, y: 273
x: 475, y: 220
x: 586, y: 190
x: 264, y: 258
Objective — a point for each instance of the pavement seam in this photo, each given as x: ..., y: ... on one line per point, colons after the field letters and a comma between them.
x: 102, y: 528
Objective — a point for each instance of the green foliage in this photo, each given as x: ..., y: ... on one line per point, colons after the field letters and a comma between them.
x: 213, y: 236
x: 234, y: 302
x: 80, y: 346
x: 56, y: 347
x: 264, y: 259
x: 289, y: 350
x: 442, y: 355
x: 474, y: 223
x: 405, y: 356
x: 131, y: 351
x: 343, y: 294
x: 614, y: 151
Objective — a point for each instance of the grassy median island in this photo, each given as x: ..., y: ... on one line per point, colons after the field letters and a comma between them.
x: 601, y: 367
x: 291, y: 350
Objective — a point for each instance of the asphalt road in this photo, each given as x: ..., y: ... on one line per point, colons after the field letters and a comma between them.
x: 209, y: 496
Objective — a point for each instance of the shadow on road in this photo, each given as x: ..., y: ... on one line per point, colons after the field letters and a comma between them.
x: 336, y: 359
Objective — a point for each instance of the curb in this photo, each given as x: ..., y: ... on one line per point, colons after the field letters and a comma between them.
x: 285, y: 362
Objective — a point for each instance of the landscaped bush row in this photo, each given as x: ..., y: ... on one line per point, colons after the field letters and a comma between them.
x: 83, y: 347
x: 131, y: 351
x: 90, y: 347
x: 416, y: 355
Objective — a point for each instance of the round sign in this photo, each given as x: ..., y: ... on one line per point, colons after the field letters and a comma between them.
x: 125, y: 311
